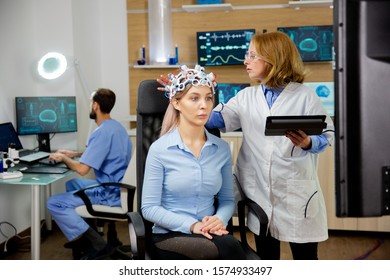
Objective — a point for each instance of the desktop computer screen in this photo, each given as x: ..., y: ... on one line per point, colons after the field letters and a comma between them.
x: 228, y: 90
x: 314, y: 43
x: 325, y: 90
x: 49, y: 114
x: 43, y: 115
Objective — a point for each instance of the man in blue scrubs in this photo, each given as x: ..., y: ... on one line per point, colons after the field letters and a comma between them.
x: 108, y: 153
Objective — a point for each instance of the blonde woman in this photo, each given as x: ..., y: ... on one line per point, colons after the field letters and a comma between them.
x: 186, y: 168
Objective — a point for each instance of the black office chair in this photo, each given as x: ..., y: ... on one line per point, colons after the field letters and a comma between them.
x: 111, y: 215
x: 151, y: 108
x: 243, y: 206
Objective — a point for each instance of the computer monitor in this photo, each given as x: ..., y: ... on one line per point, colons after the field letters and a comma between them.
x: 362, y: 149
x: 325, y: 90
x: 314, y: 43
x: 7, y: 136
x: 226, y: 47
x: 43, y: 115
x: 227, y: 91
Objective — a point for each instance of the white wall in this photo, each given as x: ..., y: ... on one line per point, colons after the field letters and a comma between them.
x: 100, y: 47
x: 91, y: 32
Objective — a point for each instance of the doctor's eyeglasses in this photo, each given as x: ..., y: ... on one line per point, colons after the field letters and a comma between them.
x: 251, y: 57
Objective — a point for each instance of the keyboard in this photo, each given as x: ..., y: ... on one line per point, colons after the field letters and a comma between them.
x: 34, y: 156
x: 49, y: 161
x: 24, y: 153
x: 44, y: 170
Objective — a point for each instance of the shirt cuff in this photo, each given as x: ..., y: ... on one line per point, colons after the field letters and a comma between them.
x: 314, y: 145
x: 187, y: 225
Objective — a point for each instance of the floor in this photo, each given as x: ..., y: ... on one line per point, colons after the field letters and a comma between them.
x: 341, y: 245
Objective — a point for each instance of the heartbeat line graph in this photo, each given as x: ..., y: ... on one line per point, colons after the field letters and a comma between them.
x: 227, y: 36
x: 223, y: 47
x: 227, y: 59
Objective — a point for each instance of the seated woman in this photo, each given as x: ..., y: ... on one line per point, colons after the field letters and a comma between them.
x: 185, y: 170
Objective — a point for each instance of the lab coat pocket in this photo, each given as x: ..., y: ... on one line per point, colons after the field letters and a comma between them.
x: 302, y: 198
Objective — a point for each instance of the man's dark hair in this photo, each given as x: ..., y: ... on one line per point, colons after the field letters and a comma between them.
x: 105, y: 98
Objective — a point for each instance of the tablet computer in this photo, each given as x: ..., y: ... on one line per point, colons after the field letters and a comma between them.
x: 279, y: 125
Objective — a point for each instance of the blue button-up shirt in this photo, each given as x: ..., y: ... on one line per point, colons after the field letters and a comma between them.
x: 179, y: 189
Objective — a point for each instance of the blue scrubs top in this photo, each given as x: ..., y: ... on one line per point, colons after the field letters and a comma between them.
x: 108, y: 152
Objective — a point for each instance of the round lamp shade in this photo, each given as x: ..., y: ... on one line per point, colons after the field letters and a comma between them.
x: 52, y: 65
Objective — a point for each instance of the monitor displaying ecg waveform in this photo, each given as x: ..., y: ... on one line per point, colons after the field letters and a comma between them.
x: 226, y: 47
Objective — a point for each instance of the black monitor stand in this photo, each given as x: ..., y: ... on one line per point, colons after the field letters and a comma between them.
x: 44, y: 142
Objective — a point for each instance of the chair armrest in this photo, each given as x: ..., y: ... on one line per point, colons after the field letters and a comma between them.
x: 260, y: 214
x: 81, y: 193
x: 244, y: 204
x: 137, y: 235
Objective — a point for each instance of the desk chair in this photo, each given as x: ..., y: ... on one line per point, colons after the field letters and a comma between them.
x: 113, y: 214
x: 151, y: 108
x: 243, y: 206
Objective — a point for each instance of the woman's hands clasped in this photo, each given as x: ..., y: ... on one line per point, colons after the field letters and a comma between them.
x: 208, y: 226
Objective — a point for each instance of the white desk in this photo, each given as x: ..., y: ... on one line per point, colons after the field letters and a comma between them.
x: 35, y: 181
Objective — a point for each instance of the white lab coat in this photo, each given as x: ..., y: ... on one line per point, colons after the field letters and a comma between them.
x: 285, y: 186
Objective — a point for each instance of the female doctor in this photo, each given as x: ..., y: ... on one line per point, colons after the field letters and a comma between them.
x: 279, y: 172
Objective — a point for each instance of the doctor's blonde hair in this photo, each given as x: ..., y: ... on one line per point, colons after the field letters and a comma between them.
x: 283, y: 62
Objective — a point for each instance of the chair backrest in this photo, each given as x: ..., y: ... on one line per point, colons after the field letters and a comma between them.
x: 151, y: 107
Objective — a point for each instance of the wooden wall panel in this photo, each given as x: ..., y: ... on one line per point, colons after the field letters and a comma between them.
x: 185, y: 25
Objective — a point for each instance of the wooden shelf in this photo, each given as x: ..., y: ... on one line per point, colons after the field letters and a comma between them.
x: 311, y: 4
x: 226, y: 7
x: 161, y: 66
x: 208, y: 8
x: 154, y: 66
